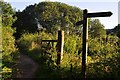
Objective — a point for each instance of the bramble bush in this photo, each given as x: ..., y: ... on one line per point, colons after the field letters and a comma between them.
x: 101, y: 46
x: 72, y: 44
x: 105, y: 68
x: 8, y: 48
x: 105, y: 58
x: 31, y: 44
x: 29, y: 41
x: 8, y: 43
x: 100, y: 60
x: 9, y: 52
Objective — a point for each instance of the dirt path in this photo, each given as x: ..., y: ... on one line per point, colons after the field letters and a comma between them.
x: 27, y: 67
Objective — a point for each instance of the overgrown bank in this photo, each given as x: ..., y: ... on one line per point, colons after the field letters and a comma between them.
x: 103, y: 57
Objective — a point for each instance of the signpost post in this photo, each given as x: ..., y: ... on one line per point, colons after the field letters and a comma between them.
x: 85, y: 43
x: 85, y: 35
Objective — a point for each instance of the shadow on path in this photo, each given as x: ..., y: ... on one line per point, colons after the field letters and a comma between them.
x: 27, y: 67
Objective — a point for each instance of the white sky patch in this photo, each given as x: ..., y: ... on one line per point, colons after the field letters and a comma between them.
x: 62, y: 0
x: 119, y: 12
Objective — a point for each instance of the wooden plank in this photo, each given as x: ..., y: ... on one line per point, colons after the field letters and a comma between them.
x: 99, y: 14
x: 79, y: 23
x: 49, y: 40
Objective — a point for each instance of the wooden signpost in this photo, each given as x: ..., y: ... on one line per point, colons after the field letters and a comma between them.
x: 85, y: 35
x: 60, y: 47
x: 60, y: 44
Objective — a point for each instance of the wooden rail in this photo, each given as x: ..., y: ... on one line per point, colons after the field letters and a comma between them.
x: 60, y: 44
x: 49, y: 40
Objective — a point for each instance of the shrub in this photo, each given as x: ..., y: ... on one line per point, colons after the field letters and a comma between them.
x: 30, y: 41
x: 101, y: 60
x: 105, y: 68
x: 99, y: 46
x: 9, y: 51
x: 72, y: 44
x: 8, y: 43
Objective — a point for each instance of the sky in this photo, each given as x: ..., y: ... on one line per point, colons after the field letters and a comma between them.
x: 90, y: 5
x: 119, y: 12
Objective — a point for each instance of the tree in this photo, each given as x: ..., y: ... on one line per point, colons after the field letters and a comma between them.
x: 7, y: 39
x: 115, y: 30
x: 96, y: 29
x: 50, y: 15
x: 7, y: 14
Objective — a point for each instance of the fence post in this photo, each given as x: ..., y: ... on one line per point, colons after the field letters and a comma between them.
x: 60, y: 45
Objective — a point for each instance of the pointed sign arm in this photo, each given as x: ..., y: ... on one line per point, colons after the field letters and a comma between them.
x: 99, y: 14
x: 79, y: 23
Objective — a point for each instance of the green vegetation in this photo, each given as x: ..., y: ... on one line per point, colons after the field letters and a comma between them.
x: 48, y: 15
x: 41, y: 22
x: 114, y: 31
x: 9, y: 50
x: 7, y: 14
x: 102, y: 56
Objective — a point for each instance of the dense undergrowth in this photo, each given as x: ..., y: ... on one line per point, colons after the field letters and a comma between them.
x: 9, y: 53
x: 103, y: 60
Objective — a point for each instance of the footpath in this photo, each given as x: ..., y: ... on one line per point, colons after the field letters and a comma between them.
x: 27, y: 67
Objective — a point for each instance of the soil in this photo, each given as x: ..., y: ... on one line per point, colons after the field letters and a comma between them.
x: 27, y: 67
